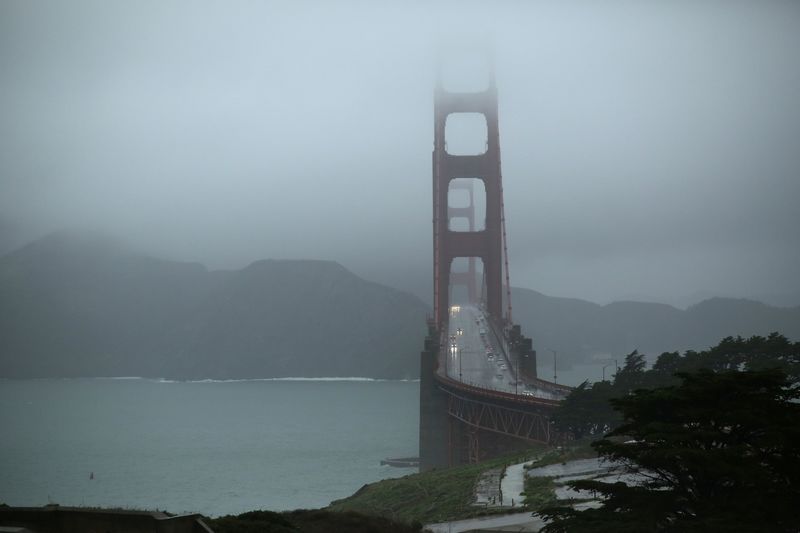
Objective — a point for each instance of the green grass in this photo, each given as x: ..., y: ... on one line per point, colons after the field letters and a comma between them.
x: 435, y: 496
x: 579, y: 449
x: 448, y: 494
x: 308, y: 521
x: 539, y: 493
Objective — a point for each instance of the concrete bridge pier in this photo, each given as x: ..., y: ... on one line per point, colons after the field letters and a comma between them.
x: 522, y: 351
x: 434, y: 423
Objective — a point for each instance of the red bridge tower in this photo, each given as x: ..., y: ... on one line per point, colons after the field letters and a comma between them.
x: 487, y: 243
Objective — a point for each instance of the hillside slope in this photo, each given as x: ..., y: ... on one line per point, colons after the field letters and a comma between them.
x: 77, y: 305
x: 72, y: 305
x: 580, y: 330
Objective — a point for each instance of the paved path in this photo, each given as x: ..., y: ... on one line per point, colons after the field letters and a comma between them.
x: 490, y: 487
x: 487, y: 490
x: 513, y: 485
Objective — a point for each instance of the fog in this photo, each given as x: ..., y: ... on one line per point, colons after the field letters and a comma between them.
x: 651, y: 150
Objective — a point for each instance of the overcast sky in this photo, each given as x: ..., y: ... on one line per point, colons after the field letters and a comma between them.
x: 651, y: 150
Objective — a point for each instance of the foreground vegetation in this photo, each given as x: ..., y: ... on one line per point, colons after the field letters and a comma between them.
x: 402, y: 505
x: 588, y: 411
x: 308, y: 521
x: 713, y: 446
x: 540, y: 490
x: 429, y: 497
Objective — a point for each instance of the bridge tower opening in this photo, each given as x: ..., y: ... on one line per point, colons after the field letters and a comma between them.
x: 466, y: 212
x: 466, y: 280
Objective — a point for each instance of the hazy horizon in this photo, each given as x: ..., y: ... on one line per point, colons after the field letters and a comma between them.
x: 407, y: 282
x: 649, y: 149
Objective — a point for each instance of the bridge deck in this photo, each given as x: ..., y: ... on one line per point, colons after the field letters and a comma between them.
x: 478, y: 358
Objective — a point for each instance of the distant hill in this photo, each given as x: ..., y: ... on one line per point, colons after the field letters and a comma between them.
x: 77, y: 305
x: 581, y: 330
x: 83, y: 305
x: 11, y: 235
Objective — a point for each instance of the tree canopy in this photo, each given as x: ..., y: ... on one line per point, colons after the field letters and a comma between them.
x: 716, y: 452
x: 587, y: 411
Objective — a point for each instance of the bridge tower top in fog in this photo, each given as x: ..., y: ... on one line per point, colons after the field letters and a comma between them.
x: 485, y: 243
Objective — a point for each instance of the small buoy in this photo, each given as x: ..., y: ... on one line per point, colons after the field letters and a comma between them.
x: 91, y: 475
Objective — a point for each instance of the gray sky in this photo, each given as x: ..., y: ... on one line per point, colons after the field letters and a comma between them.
x: 651, y: 150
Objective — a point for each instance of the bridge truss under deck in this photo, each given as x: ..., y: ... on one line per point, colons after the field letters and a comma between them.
x: 526, y: 425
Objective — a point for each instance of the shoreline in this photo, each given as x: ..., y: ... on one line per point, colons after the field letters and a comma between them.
x: 353, y: 379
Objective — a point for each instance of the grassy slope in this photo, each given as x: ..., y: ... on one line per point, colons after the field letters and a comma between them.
x: 307, y: 521
x: 428, y: 497
x: 540, y: 491
x: 442, y: 495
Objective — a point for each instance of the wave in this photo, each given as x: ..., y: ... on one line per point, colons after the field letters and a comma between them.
x: 294, y: 378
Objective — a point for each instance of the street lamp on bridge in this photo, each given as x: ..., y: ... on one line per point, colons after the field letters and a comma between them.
x: 610, y: 362
x: 555, y: 376
x: 604, y: 371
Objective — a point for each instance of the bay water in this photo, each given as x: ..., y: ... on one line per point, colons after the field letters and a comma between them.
x: 210, y: 447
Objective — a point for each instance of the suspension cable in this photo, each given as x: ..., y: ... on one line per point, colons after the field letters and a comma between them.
x: 505, y: 242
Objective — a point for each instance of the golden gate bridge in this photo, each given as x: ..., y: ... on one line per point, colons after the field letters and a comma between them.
x: 480, y: 395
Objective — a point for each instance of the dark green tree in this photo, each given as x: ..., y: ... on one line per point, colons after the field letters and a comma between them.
x: 665, y: 367
x: 774, y: 351
x: 718, y: 452
x: 753, y: 353
x: 587, y: 411
x: 631, y: 375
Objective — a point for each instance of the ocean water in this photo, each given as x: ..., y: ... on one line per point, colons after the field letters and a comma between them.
x: 209, y: 447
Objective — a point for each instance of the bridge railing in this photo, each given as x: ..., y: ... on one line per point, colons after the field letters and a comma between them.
x: 496, y: 393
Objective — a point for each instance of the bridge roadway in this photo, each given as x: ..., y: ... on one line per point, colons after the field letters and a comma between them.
x: 477, y: 356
